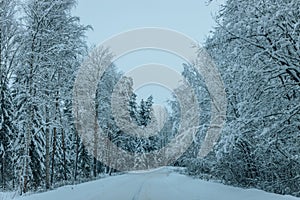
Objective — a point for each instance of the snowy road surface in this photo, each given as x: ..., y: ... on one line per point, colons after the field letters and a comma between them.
x: 158, y: 184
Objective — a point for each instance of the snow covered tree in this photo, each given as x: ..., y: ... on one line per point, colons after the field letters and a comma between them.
x: 133, y: 108
x: 256, y: 47
x: 53, y: 42
x: 105, y: 117
x: 9, y: 44
x: 145, y: 111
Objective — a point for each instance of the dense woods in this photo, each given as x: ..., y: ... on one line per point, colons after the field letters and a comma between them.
x: 256, y: 46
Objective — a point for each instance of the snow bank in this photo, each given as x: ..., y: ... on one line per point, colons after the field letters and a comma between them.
x: 158, y: 184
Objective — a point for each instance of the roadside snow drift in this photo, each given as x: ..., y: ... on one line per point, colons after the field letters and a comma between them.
x: 159, y: 184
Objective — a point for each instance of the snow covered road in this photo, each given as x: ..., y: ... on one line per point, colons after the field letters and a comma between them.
x: 158, y: 184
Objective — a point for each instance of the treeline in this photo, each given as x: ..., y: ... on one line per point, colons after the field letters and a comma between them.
x: 41, y: 47
x: 256, y: 46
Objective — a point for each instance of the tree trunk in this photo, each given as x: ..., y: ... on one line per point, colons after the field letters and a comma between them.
x: 54, y: 137
x: 47, y: 164
x: 53, y: 154
x: 76, y: 154
x: 96, y: 138
x: 63, y: 148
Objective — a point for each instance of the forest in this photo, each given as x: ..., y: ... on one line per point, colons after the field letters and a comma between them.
x: 255, y: 46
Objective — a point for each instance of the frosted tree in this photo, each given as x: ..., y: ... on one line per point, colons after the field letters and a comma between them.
x: 256, y: 46
x: 142, y: 144
x: 105, y: 118
x: 133, y: 108
x: 9, y: 37
x: 53, y: 44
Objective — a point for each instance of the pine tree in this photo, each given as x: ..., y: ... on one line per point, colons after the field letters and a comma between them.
x: 145, y: 111
x: 9, y: 38
x: 133, y: 108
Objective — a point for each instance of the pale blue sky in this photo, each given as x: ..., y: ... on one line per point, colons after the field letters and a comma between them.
x: 193, y: 18
x: 110, y: 17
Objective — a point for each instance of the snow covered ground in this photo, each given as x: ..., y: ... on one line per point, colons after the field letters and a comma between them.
x: 159, y: 184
